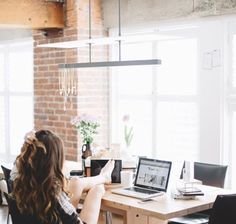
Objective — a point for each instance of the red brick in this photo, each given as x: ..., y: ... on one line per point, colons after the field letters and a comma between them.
x: 93, y: 84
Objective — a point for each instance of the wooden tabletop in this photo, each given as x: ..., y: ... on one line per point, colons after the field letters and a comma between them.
x: 163, y: 207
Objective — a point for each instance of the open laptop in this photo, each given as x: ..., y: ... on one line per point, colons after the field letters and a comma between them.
x: 151, y: 179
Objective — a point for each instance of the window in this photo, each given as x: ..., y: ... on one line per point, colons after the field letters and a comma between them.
x: 177, y: 107
x: 162, y: 101
x: 185, y: 108
x: 16, y: 95
x: 133, y: 95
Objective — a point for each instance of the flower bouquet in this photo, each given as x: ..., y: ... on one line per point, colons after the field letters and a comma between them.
x: 128, y: 131
x: 87, y: 126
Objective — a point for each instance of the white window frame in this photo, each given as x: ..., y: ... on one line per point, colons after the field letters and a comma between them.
x: 7, y: 93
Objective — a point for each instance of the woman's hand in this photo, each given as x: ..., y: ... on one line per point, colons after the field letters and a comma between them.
x: 30, y: 137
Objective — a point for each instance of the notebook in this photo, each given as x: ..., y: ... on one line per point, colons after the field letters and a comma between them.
x: 151, y: 179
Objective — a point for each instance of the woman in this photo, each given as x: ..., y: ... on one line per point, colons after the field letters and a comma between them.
x: 40, y: 189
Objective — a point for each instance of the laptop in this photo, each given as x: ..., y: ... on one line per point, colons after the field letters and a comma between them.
x: 151, y: 179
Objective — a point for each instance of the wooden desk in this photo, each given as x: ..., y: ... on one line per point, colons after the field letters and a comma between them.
x: 161, y: 210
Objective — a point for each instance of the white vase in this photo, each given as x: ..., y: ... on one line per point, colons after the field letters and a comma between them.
x: 125, y: 153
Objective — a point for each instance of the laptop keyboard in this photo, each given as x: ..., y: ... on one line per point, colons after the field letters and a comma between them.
x: 140, y: 190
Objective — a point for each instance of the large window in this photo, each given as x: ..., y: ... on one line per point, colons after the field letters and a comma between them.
x: 16, y: 95
x: 161, y: 101
x: 185, y: 108
x: 177, y: 107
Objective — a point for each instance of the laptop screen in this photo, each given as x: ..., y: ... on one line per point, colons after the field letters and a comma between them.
x: 153, y: 174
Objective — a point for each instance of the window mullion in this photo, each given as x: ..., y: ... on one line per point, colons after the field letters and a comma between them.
x: 7, y: 101
x: 154, y: 102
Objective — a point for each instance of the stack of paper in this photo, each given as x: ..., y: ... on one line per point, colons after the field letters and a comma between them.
x: 190, y: 191
x: 187, y: 193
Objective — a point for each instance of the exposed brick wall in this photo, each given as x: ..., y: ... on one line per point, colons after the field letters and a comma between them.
x: 92, y: 83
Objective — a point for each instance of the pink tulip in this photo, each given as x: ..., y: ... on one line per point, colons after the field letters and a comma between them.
x: 126, y: 118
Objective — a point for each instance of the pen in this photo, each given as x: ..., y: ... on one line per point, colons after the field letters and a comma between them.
x: 142, y: 201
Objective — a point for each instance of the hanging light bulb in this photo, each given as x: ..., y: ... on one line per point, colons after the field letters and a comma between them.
x: 67, y: 83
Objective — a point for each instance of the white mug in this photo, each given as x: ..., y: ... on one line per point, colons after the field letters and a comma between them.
x: 126, y: 178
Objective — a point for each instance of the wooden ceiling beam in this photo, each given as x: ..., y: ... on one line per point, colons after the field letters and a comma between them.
x: 33, y: 14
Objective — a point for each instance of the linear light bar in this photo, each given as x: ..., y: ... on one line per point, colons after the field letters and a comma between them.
x: 107, y: 41
x: 111, y: 63
x: 61, y: 1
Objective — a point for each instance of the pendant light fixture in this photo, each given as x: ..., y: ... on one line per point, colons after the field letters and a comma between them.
x: 67, y: 72
x: 120, y: 62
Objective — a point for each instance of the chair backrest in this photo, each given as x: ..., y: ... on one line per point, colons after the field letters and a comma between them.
x: 6, y: 172
x: 7, y: 175
x: 19, y: 218
x: 16, y: 216
x: 223, y: 210
x: 210, y: 174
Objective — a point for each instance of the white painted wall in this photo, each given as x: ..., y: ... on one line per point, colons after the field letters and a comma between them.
x: 211, y: 38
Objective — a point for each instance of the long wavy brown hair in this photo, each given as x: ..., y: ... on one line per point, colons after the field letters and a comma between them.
x: 40, y: 179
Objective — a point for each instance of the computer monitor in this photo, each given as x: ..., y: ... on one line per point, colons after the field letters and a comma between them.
x: 98, y: 164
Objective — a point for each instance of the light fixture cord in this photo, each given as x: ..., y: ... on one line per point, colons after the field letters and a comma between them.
x: 119, y: 20
x: 90, y: 35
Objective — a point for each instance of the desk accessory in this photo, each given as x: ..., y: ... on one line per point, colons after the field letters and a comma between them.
x: 127, y: 177
x: 187, y: 193
x: 77, y: 173
x: 97, y: 164
x: 145, y: 200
